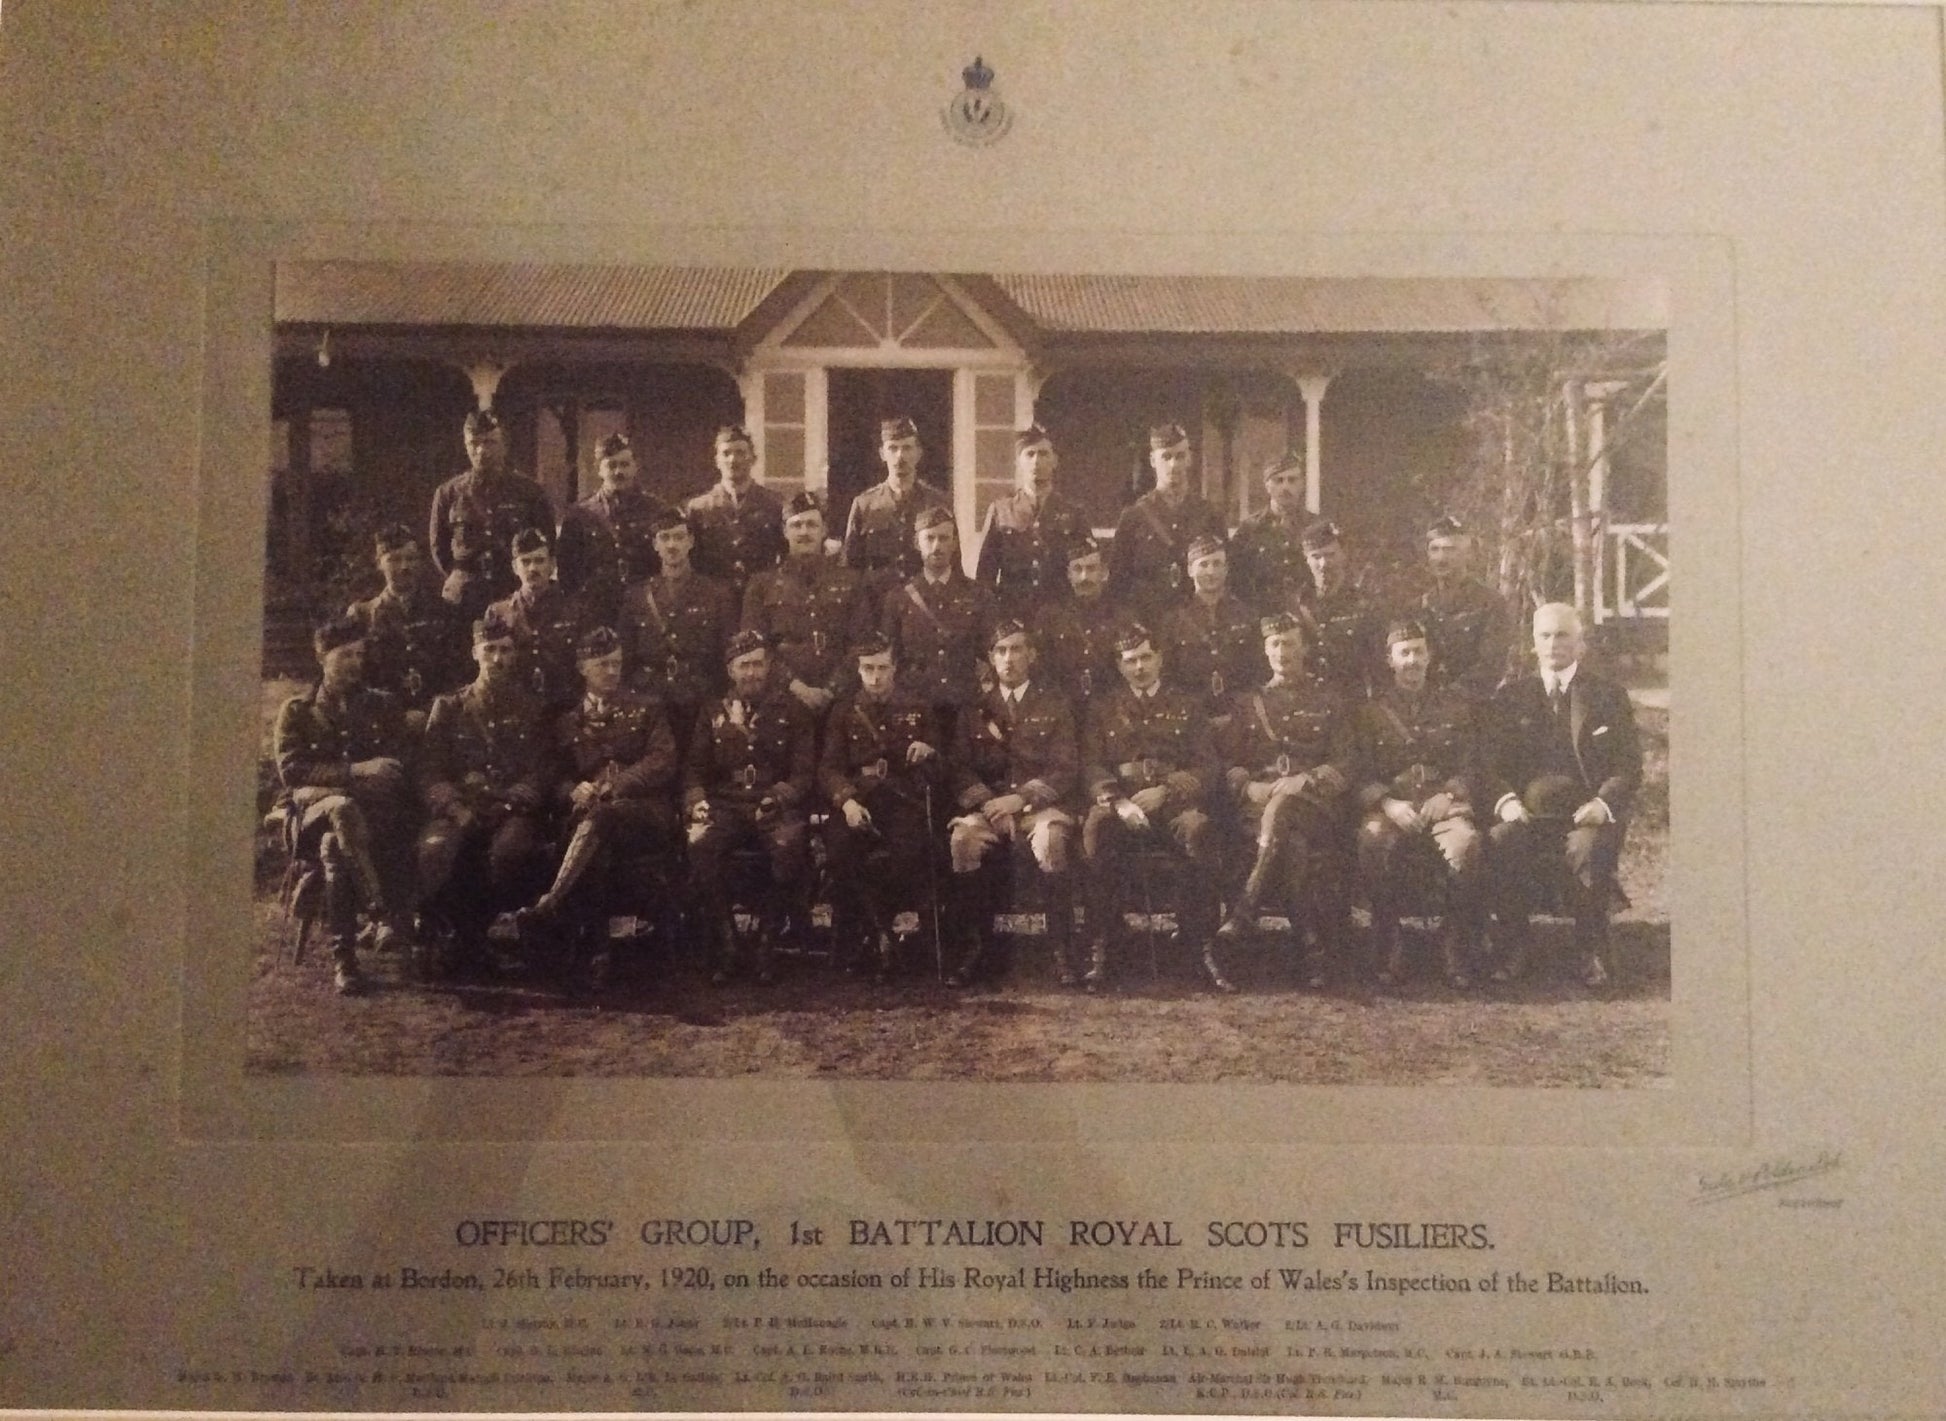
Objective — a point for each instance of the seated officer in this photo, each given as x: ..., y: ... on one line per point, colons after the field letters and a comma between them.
x: 1342, y: 622
x: 1015, y: 765
x: 415, y: 640
x: 340, y: 750
x: 1417, y: 746
x: 748, y: 780
x: 878, y: 770
x: 1467, y: 623
x: 674, y: 627
x: 485, y: 771
x: 1267, y: 564
x: 607, y: 540
x: 1563, y: 764
x: 1210, y: 643
x: 1290, y: 752
x: 810, y: 608
x: 1150, y: 764
x: 938, y: 623
x: 1074, y: 636
x: 619, y: 792
x: 545, y: 621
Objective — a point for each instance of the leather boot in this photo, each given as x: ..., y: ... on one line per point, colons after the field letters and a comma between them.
x: 1388, y: 947
x: 1456, y: 937
x: 1058, y: 898
x: 1097, y: 973
x: 346, y: 979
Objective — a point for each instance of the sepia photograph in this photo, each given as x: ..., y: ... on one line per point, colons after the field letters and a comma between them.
x: 754, y: 672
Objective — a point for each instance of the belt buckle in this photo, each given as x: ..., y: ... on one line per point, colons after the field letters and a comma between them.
x: 1149, y: 773
x: 745, y: 777
x: 1283, y: 764
x: 879, y: 768
x: 817, y: 643
x: 1087, y: 682
x: 1216, y: 683
x: 673, y: 668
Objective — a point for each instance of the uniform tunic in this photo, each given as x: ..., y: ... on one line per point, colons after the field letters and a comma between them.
x: 1268, y: 569
x: 1024, y: 550
x: 1212, y: 650
x: 475, y: 518
x: 939, y: 631
x: 673, y: 631
x: 1153, y: 535
x: 1075, y: 638
x: 1470, y: 633
x: 1344, y: 630
x: 879, y: 534
x: 737, y: 535
x: 416, y: 646
x: 606, y: 543
x: 810, y: 609
x: 547, y: 625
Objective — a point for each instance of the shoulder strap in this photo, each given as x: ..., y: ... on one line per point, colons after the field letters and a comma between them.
x: 1263, y: 716
x: 918, y: 600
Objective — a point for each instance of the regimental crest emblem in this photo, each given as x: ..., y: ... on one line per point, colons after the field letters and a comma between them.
x: 977, y: 116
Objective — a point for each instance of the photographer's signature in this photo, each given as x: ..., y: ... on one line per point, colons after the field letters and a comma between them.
x: 1771, y: 1174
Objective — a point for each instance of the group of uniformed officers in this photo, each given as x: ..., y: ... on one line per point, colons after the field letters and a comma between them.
x: 667, y: 701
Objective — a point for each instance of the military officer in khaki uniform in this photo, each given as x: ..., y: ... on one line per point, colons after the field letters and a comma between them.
x: 1291, y: 757
x: 880, y: 770
x: 938, y: 623
x: 674, y: 627
x: 1154, y: 532
x: 1150, y: 766
x: 341, y: 750
x: 878, y: 531
x: 748, y: 779
x: 1267, y: 566
x: 739, y: 523
x: 546, y: 622
x: 1343, y: 624
x: 1418, y: 748
x: 475, y: 516
x: 617, y: 788
x: 1016, y: 766
x: 810, y: 608
x: 415, y: 640
x: 607, y: 540
x: 1023, y: 550
x: 485, y: 771
x: 1074, y: 636
x: 1467, y: 623
x: 1210, y: 643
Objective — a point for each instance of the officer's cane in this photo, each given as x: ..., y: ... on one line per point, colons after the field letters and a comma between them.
x: 932, y: 887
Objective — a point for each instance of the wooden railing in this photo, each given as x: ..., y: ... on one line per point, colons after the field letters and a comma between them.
x: 1632, y: 572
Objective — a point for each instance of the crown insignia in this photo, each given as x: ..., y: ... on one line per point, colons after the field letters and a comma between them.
x: 976, y: 74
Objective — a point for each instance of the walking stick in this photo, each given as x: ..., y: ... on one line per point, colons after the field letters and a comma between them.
x: 932, y: 888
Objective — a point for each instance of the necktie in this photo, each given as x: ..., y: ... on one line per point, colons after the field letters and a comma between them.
x: 1557, y: 699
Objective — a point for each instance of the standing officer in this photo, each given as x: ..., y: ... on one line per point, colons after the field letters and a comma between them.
x: 618, y: 789
x: 739, y: 523
x: 1023, y: 551
x: 475, y: 516
x: 545, y: 620
x: 1467, y: 623
x: 1563, y: 765
x: 608, y: 539
x: 878, y: 532
x: 1342, y: 621
x: 880, y: 769
x: 938, y: 623
x: 1267, y: 565
x: 1418, y: 748
x: 415, y: 640
x: 810, y: 608
x: 1291, y: 753
x: 486, y: 770
x: 341, y: 751
x: 1016, y: 764
x: 1150, y: 766
x: 1210, y: 643
x: 747, y: 780
x: 1154, y: 532
x: 1074, y: 636
x: 675, y: 625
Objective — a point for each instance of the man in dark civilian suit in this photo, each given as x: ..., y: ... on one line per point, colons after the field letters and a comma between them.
x: 1564, y: 763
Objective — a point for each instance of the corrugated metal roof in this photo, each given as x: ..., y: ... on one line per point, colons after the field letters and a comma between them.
x: 354, y: 293
x: 1277, y: 305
